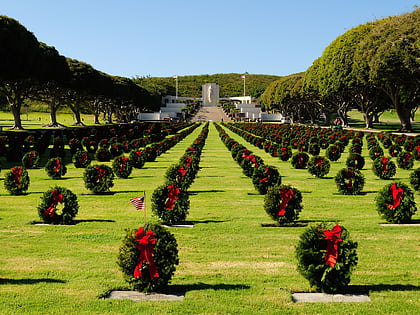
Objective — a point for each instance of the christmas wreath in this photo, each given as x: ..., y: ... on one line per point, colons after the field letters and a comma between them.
x: 58, y: 206
x: 384, y: 168
x: 81, y: 159
x: 116, y: 149
x: 376, y: 152
x: 416, y: 153
x: 314, y: 149
x: 55, y: 168
x: 249, y: 162
x: 16, y: 181
x: 333, y: 153
x: 74, y: 145
x: 349, y: 181
x: 415, y: 179
x: 170, y: 203
x: 103, y: 155
x: 147, y: 257
x: 394, y: 150
x: 30, y: 159
x: 285, y: 153
x: 283, y: 203
x: 300, y: 160
x: 319, y: 166
x: 355, y: 160
x: 326, y: 257
x: 265, y: 176
x: 122, y: 166
x: 181, y: 175
x: 395, y: 203
x: 138, y: 158
x: 405, y: 160
x: 98, y: 178
x: 91, y: 146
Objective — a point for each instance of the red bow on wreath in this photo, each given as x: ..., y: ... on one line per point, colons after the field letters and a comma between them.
x: 333, y: 237
x: 318, y: 161
x: 57, y: 165
x: 181, y: 173
x: 286, y: 196
x: 188, y: 161
x: 268, y: 172
x: 145, y: 244
x: 384, y: 161
x: 31, y: 158
x: 17, y: 173
x: 101, y: 173
x: 123, y: 165
x: 172, y: 196
x: 56, y: 198
x: 397, y: 195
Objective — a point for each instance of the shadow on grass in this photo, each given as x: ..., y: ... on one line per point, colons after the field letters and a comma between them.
x: 92, y: 220
x: 30, y: 281
x: 196, y: 192
x: 277, y: 225
x: 204, y: 286
x: 381, y: 287
x: 203, y: 221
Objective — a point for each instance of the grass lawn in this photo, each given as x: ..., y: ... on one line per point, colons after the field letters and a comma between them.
x: 229, y: 263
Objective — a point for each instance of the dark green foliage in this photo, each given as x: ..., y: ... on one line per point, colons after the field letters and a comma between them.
x: 319, y: 166
x: 103, y: 155
x: 384, y: 168
x: 165, y: 259
x: 98, y: 178
x: 16, y: 181
x: 264, y: 177
x: 30, y: 159
x: 122, y: 166
x: 401, y: 213
x: 300, y: 160
x: 333, y: 153
x: 355, y: 160
x: 291, y: 203
x: 160, y: 199
x: 415, y: 179
x: 59, y: 212
x: 137, y: 158
x: 405, y: 160
x: 55, y: 168
x: 310, y: 253
x: 81, y: 159
x: 349, y: 181
x: 376, y: 152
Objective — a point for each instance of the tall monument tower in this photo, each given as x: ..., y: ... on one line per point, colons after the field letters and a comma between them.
x: 210, y: 93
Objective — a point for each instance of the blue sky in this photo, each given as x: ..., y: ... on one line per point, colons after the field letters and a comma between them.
x: 162, y: 38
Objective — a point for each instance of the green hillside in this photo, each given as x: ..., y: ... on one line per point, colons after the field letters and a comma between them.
x: 231, y: 84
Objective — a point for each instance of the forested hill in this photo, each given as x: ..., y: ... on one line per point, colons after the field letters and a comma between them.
x: 231, y: 84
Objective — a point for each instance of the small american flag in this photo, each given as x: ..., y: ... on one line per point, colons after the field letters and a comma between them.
x: 138, y: 202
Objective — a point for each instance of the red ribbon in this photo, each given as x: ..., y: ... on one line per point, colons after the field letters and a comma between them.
x: 333, y: 237
x: 172, y: 196
x: 101, y: 173
x: 181, y: 173
x: 83, y: 157
x: 349, y: 176
x: 318, y: 161
x: 286, y: 196
x: 384, y: 161
x: 31, y: 158
x: 145, y: 244
x: 57, y: 165
x: 55, y: 200
x: 268, y: 172
x: 188, y: 161
x: 397, y: 195
x: 17, y: 173
x: 123, y: 165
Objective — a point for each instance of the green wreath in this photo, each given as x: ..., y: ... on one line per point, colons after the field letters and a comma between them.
x: 180, y: 174
x: 98, y: 178
x: 405, y: 160
x: 416, y: 153
x: 55, y: 168
x: 349, y: 181
x: 384, y: 168
x: 58, y: 206
x: 30, y: 159
x: 415, y: 179
x: 265, y: 176
x: 314, y: 149
x: 16, y: 181
x: 156, y: 243
x: 170, y: 203
x: 285, y: 153
x: 138, y: 158
x: 81, y: 159
x: 300, y: 160
x: 91, y: 146
x: 103, y: 155
x: 395, y: 203
x: 283, y: 203
x: 333, y: 153
x: 326, y: 257
x: 355, y: 160
x: 122, y: 166
x: 319, y: 166
x: 249, y: 162
x: 116, y: 149
x: 376, y: 152
x: 394, y: 150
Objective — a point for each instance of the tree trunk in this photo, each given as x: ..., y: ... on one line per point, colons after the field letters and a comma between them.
x: 404, y: 116
x: 368, y: 118
x: 16, y: 116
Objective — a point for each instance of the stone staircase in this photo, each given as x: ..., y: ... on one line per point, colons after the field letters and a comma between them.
x: 211, y: 113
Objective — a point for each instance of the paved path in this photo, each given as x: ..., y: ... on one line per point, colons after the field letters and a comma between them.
x: 211, y: 113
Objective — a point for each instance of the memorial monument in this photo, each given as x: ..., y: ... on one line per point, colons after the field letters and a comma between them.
x: 210, y: 93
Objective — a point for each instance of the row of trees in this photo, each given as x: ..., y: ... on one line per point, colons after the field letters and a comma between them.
x: 34, y: 70
x: 372, y: 67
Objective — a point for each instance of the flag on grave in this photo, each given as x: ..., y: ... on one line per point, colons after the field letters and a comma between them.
x: 138, y: 202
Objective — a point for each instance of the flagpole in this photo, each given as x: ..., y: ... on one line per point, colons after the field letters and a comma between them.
x: 176, y: 87
x: 244, y: 83
x: 144, y: 212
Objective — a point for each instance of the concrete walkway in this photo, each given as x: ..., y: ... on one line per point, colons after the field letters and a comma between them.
x: 211, y: 113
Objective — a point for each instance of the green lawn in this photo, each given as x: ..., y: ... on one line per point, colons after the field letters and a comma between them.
x: 229, y: 263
